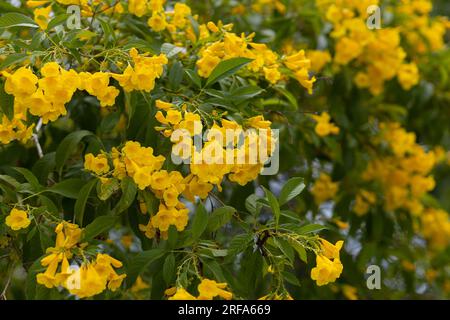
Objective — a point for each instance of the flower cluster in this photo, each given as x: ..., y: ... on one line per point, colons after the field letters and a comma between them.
x: 46, y: 97
x: 329, y: 266
x: 377, y: 52
x: 207, y: 289
x: 422, y: 32
x: 435, y: 227
x: 324, y: 188
x: 324, y: 127
x: 85, y: 280
x: 403, y: 174
x: 144, y: 73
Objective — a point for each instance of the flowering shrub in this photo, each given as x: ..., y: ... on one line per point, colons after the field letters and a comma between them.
x: 155, y: 149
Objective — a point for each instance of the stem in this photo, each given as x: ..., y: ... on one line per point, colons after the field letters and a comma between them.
x: 36, y: 139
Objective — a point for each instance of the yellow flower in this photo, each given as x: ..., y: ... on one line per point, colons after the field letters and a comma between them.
x: 206, y: 65
x: 157, y: 22
x: 21, y: 83
x: 324, y: 127
x: 17, y: 219
x: 329, y: 250
x: 408, y: 75
x: 99, y: 164
x: 42, y: 16
x: 208, y: 289
x: 349, y: 292
x: 166, y: 106
x: 326, y: 271
x: 272, y: 75
x: 324, y: 189
x: 182, y: 294
x: 137, y: 7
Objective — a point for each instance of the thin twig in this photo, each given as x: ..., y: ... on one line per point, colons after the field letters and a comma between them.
x: 36, y: 139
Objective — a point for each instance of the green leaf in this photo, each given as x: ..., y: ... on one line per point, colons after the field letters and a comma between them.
x: 176, y: 75
x: 273, y: 202
x: 241, y: 94
x: 226, y: 68
x: 239, y: 243
x: 58, y: 20
x: 106, y: 189
x: 291, y: 189
x: 13, y: 59
x: 170, y: 50
x: 80, y: 204
x: 200, y: 221
x: 194, y: 77
x: 169, y: 269
x: 6, y: 102
x: 252, y: 205
x: 300, y: 251
x: 129, y: 191
x: 107, y: 29
x: 140, y: 262
x: 30, y: 177
x: 98, y: 226
x: 287, y: 250
x: 30, y: 285
x: 290, y: 277
x: 309, y: 228
x: 67, y: 147
x: 14, y: 19
x: 69, y: 188
x: 220, y: 217
x: 213, y: 267
x: 289, y: 96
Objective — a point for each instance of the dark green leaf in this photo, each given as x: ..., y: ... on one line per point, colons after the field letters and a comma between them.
x: 129, y: 191
x: 67, y: 147
x: 220, y: 217
x: 226, y: 68
x: 99, y: 226
x: 169, y: 269
x: 291, y: 189
x: 273, y: 204
x: 80, y: 204
x: 140, y: 262
x: 199, y: 222
x: 69, y: 188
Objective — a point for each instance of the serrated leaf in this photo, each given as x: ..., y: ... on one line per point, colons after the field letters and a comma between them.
x: 57, y: 21
x: 239, y: 243
x: 274, y: 205
x: 291, y: 189
x: 226, y: 68
x: 309, y: 228
x: 219, y: 217
x: 14, y: 19
x: 300, y: 251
